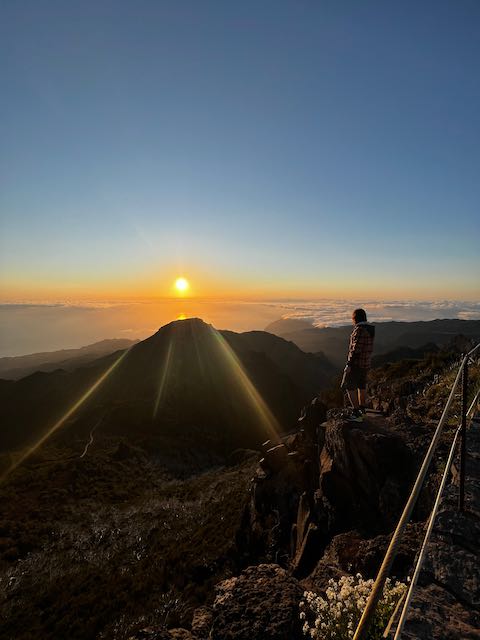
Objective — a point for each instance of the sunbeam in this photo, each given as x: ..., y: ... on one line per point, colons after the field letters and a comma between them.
x: 28, y: 452
x: 268, y: 420
x: 164, y: 376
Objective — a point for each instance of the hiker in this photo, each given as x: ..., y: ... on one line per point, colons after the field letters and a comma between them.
x: 358, y: 363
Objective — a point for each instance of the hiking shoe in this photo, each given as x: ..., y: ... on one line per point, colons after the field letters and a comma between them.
x: 355, y: 416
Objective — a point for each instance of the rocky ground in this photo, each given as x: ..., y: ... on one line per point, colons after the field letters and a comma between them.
x: 146, y: 542
x: 446, y: 604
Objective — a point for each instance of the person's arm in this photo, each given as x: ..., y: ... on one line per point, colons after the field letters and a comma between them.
x: 353, y: 348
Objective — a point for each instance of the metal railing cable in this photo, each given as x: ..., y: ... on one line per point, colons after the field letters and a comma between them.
x: 431, y: 522
x: 393, y: 617
x: 377, y: 589
x: 475, y: 401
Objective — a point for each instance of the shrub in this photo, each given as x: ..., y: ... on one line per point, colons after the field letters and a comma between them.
x: 337, y: 615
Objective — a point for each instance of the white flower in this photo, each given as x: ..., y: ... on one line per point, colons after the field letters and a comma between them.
x: 337, y: 615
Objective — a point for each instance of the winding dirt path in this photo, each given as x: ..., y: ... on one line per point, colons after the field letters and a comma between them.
x: 91, y: 438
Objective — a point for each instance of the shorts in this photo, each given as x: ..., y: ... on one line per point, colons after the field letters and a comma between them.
x: 356, y: 378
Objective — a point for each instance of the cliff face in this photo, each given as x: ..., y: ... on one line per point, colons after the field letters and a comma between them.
x: 308, y: 490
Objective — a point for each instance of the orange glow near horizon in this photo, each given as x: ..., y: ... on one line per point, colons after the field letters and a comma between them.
x: 160, y: 282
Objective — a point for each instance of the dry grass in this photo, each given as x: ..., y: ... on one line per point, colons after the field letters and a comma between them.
x: 97, y: 546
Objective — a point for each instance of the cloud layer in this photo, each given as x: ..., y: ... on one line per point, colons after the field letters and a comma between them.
x: 29, y: 327
x: 337, y: 312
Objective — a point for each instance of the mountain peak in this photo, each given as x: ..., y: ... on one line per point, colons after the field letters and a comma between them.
x: 187, y: 322
x: 184, y: 326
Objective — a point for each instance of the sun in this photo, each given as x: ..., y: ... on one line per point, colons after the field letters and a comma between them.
x: 182, y: 285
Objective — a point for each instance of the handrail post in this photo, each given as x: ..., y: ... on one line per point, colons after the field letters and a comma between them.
x: 463, y: 434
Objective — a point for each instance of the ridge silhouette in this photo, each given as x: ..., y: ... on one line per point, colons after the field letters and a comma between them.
x: 230, y: 388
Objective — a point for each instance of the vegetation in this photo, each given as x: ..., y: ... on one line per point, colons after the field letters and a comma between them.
x: 337, y: 615
x: 100, y: 546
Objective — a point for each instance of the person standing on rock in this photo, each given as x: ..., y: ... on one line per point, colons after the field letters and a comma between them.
x: 359, y: 358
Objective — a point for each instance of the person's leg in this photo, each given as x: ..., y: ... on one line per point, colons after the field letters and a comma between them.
x: 353, y: 397
x: 362, y: 397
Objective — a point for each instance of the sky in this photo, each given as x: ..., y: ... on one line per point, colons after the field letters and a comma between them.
x: 263, y: 150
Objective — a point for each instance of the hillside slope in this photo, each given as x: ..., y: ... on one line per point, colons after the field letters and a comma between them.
x: 16, y: 367
x: 234, y: 389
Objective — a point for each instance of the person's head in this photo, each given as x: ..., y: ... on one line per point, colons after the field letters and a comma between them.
x: 359, y: 315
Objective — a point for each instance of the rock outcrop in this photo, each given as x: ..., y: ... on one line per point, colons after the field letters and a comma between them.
x: 364, y: 475
x: 328, y: 478
x: 262, y: 602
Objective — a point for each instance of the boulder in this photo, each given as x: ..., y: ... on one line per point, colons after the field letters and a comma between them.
x: 349, y: 553
x: 365, y: 473
x: 202, y: 622
x: 312, y: 417
x: 435, y: 614
x: 262, y: 602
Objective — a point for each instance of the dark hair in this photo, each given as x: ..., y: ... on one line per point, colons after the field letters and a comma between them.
x: 359, y: 315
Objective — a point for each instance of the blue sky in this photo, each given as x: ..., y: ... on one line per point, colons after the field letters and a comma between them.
x: 269, y: 147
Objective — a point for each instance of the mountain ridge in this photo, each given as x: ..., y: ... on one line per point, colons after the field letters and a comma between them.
x: 333, y: 341
x: 234, y: 388
x: 15, y: 367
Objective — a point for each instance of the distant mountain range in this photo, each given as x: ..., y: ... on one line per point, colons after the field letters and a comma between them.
x: 13, y: 368
x: 221, y: 387
x: 333, y: 341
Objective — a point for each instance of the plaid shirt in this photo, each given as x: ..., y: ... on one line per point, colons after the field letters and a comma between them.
x: 361, y: 347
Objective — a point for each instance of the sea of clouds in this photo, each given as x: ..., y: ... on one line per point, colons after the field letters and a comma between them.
x: 325, y: 313
x: 29, y: 327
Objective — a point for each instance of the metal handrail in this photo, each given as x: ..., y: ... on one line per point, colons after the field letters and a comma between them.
x: 377, y: 589
x: 472, y: 351
x: 431, y: 522
x: 474, y: 403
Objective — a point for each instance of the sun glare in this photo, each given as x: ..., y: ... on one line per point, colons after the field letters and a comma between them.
x: 181, y: 285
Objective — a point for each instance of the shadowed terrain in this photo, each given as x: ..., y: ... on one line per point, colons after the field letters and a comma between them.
x: 139, y: 517
x: 233, y: 388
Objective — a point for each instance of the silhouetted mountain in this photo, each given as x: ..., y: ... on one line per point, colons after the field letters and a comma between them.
x: 186, y: 380
x: 16, y: 367
x: 288, y: 325
x: 333, y: 341
x: 404, y: 353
